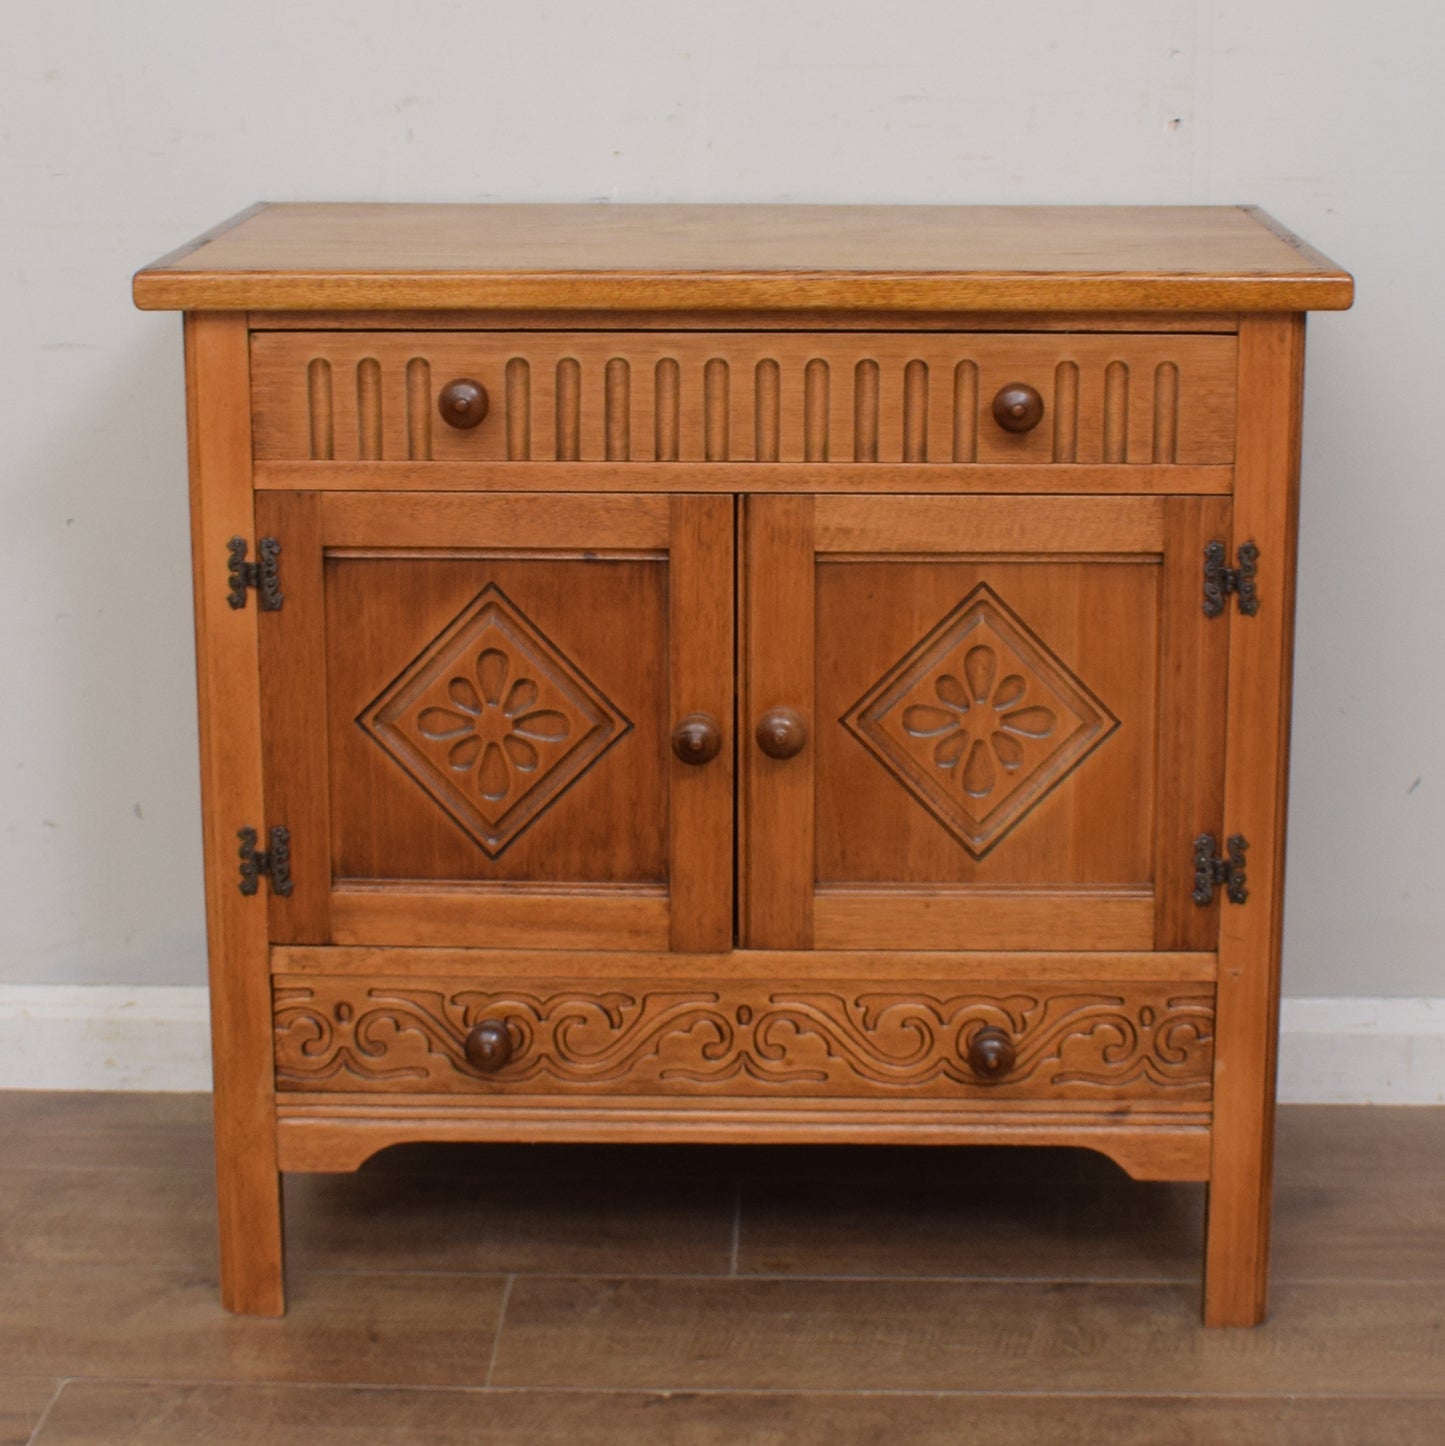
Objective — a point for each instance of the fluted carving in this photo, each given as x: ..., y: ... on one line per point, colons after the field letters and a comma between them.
x: 746, y: 398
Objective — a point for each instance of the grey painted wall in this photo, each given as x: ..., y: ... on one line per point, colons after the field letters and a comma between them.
x: 126, y: 129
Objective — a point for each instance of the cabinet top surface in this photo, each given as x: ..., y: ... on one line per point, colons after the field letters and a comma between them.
x: 759, y: 258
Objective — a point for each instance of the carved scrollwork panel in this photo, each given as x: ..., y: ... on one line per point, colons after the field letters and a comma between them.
x: 1074, y: 1042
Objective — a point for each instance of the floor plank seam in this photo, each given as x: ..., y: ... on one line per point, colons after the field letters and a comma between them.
x: 60, y: 1385
x: 205, y: 1172
x: 737, y: 1226
x: 497, y: 1333
x: 881, y: 1392
x: 754, y: 1277
x: 1353, y: 1339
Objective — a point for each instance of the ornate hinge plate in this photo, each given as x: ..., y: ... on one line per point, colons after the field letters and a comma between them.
x: 274, y: 862
x: 1211, y: 871
x: 1220, y: 581
x: 262, y: 575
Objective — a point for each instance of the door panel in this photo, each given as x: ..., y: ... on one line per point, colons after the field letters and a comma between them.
x: 469, y: 702
x: 484, y: 754
x: 909, y: 791
x: 1008, y: 704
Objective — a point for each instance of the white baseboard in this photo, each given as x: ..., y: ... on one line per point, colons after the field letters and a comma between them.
x: 1362, y: 1051
x: 103, y: 1037
x: 67, y: 1037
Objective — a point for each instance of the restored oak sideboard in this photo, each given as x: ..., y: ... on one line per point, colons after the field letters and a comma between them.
x: 745, y: 674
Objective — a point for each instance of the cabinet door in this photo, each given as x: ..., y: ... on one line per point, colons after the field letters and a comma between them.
x: 468, y: 705
x: 1013, y: 710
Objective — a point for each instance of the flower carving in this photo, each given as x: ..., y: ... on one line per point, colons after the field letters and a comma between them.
x: 493, y: 721
x: 494, y: 728
x: 981, y: 722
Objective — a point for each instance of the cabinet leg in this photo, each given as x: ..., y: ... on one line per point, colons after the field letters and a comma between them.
x: 1256, y: 776
x: 1236, y: 1245
x: 248, y: 1189
x: 232, y: 796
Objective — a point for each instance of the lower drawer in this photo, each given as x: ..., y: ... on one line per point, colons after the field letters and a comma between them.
x: 1085, y: 1044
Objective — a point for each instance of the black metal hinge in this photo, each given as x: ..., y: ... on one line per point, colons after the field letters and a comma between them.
x: 1211, y: 871
x: 1220, y: 581
x: 274, y: 862
x: 261, y: 575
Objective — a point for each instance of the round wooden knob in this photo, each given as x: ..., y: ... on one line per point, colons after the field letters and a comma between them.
x: 1018, y: 407
x: 463, y: 403
x: 697, y: 739
x: 488, y: 1046
x: 991, y: 1053
x: 781, y: 733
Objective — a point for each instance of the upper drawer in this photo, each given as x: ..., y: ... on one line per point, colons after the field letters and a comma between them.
x: 1113, y: 398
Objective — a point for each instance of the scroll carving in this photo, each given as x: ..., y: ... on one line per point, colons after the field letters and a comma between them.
x: 345, y: 1034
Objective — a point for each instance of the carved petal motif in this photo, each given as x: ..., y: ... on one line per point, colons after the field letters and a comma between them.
x: 494, y: 721
x: 979, y: 720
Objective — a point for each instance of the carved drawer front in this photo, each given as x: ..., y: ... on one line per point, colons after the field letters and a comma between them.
x: 743, y: 397
x: 1074, y: 1045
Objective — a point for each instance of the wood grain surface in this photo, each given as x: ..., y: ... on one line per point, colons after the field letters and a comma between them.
x: 1054, y: 966
x: 1086, y: 1046
x: 462, y: 748
x: 104, y: 1413
x: 1256, y: 785
x: 940, y: 478
x: 331, y: 1132
x: 1073, y: 628
x: 903, y: 258
x: 785, y: 1296
x: 228, y: 683
x: 646, y: 397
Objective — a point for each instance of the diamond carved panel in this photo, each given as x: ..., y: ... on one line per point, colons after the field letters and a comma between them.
x: 494, y: 721
x: 979, y: 720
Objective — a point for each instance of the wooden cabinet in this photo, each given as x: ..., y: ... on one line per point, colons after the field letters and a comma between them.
x: 767, y: 674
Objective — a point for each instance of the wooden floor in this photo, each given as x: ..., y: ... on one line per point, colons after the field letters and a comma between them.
x: 680, y: 1295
